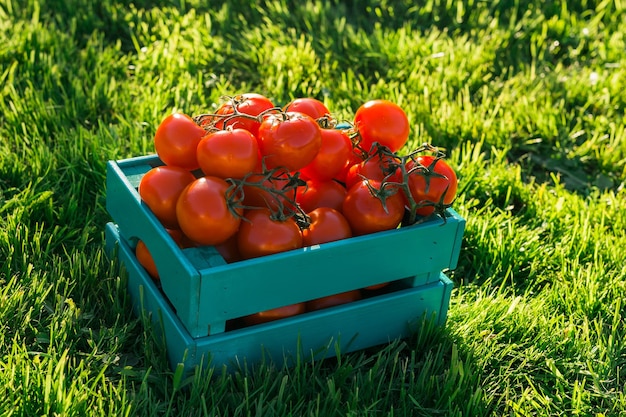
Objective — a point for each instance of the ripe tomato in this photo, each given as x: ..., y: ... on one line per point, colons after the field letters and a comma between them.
x: 327, y: 225
x: 274, y: 314
x: 384, y: 122
x: 374, y: 168
x: 251, y: 104
x: 353, y: 159
x: 230, y: 153
x: 308, y: 105
x: 204, y: 214
x: 271, y: 192
x: 317, y: 193
x: 365, y: 211
x: 333, y: 300
x: 176, y: 140
x: 229, y: 249
x: 160, y: 188
x: 290, y: 140
x: 436, y: 185
x: 332, y: 156
x: 145, y: 259
x: 260, y: 235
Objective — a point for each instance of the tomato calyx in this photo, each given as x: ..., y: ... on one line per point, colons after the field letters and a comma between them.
x: 219, y: 121
x: 280, y: 200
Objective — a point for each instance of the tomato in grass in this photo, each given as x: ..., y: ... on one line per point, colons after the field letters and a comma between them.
x: 332, y: 156
x: 431, y: 182
x: 251, y: 105
x: 274, y: 314
x: 333, y: 300
x: 230, y: 153
x: 160, y: 188
x: 260, y: 234
x: 290, y: 140
x: 176, y: 141
x: 326, y: 225
x: 308, y: 105
x: 316, y: 193
x: 384, y: 122
x: 206, y: 213
x: 365, y: 211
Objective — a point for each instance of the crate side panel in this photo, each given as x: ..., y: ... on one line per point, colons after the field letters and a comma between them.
x: 148, y: 302
x: 327, y: 269
x: 180, y: 278
x: 353, y: 326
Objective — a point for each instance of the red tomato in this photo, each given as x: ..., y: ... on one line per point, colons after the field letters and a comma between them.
x: 260, y: 235
x: 274, y: 314
x: 384, y: 122
x: 204, y: 214
x: 176, y: 140
x: 332, y: 156
x: 160, y: 188
x: 230, y: 153
x: 374, y: 168
x: 333, y: 300
x: 145, y: 259
x: 229, y: 249
x: 353, y: 159
x: 290, y: 140
x: 436, y: 185
x: 272, y: 192
x: 308, y: 105
x: 327, y: 225
x: 251, y: 104
x: 316, y: 193
x: 365, y: 211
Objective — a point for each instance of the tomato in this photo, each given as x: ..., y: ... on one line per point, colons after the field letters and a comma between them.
x: 436, y: 183
x: 333, y: 300
x: 290, y: 140
x: 274, y: 314
x: 269, y: 192
x: 160, y: 188
x: 332, y: 156
x: 261, y: 235
x: 176, y: 140
x: 327, y: 225
x: 384, y: 122
x: 376, y: 168
x: 365, y: 211
x: 353, y: 159
x: 316, y: 193
x: 145, y: 259
x: 229, y: 249
x: 230, y: 153
x: 204, y: 214
x: 308, y: 105
x: 251, y: 104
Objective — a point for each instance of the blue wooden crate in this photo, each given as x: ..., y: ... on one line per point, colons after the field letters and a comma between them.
x: 349, y: 327
x: 206, y: 292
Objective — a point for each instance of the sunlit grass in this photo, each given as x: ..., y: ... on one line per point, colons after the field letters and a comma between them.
x: 527, y: 98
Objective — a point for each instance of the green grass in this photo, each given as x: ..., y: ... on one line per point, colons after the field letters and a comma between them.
x: 527, y: 98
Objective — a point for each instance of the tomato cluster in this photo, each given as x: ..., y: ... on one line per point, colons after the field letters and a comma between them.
x: 254, y: 179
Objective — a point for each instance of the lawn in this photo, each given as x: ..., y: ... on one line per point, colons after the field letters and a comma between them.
x: 526, y: 97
